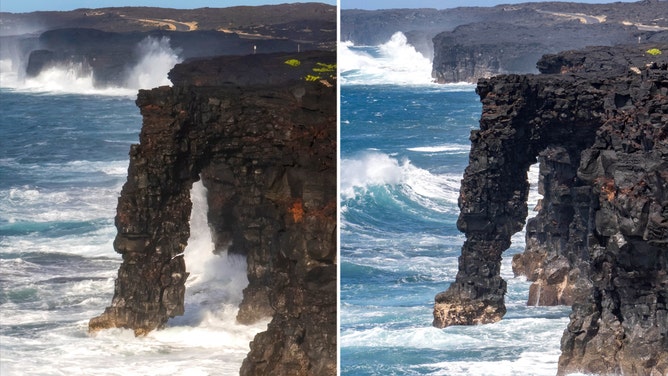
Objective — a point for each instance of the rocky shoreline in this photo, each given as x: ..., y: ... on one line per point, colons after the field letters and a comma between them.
x: 599, y: 242
x: 469, y: 43
x: 109, y: 42
x: 264, y: 145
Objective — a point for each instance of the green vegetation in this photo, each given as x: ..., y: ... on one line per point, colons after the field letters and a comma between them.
x: 293, y: 62
x: 319, y: 72
x: 654, y: 51
x: 321, y: 69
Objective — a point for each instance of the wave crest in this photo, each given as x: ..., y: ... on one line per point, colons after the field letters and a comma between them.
x: 157, y: 58
x: 379, y: 169
x: 394, y: 62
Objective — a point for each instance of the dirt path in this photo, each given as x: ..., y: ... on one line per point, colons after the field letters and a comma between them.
x: 170, y: 24
x: 583, y: 18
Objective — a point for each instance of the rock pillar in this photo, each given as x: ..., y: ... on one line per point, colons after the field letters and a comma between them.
x: 260, y: 130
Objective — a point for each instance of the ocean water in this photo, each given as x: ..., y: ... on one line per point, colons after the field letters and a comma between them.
x: 404, y: 147
x: 63, y: 159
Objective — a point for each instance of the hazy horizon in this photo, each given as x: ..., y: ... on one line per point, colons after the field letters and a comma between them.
x: 27, y: 6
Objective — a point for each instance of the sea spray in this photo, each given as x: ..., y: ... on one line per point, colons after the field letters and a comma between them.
x: 213, y: 293
x: 63, y: 161
x: 157, y: 59
x: 371, y: 168
x: 394, y: 62
x: 220, y: 274
x: 402, y: 148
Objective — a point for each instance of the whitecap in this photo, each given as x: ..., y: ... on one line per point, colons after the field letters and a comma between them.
x: 445, y: 148
x: 419, y: 185
x: 394, y: 62
x: 157, y: 58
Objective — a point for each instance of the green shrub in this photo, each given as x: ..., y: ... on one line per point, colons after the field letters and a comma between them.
x: 322, y: 68
x: 293, y: 62
x: 654, y: 51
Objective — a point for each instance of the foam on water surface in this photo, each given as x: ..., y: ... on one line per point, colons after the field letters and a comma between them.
x: 157, y: 58
x: 49, y: 299
x: 63, y: 161
x: 404, y: 148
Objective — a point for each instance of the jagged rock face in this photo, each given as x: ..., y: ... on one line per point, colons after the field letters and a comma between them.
x: 475, y: 42
x: 111, y: 55
x: 556, y: 254
x: 482, y: 50
x: 266, y: 151
x: 600, y: 239
x: 110, y: 42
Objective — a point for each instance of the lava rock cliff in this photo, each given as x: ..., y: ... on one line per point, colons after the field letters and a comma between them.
x: 109, y: 42
x: 599, y: 130
x: 468, y: 43
x: 261, y: 134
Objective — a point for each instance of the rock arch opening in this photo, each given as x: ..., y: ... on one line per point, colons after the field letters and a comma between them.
x: 267, y: 157
x: 599, y: 240
x: 494, y: 193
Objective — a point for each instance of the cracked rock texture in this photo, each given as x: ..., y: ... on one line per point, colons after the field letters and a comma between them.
x: 599, y: 129
x: 264, y: 144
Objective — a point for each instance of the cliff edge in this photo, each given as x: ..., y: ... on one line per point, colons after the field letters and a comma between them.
x: 260, y: 131
x: 597, y: 125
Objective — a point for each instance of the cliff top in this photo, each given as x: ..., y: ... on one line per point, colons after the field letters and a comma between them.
x: 605, y: 60
x: 257, y: 70
x: 593, y: 21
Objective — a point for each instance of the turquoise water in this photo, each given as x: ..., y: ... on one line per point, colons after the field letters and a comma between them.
x: 63, y: 160
x: 404, y: 147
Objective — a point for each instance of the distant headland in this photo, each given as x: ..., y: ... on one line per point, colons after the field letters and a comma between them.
x: 469, y: 43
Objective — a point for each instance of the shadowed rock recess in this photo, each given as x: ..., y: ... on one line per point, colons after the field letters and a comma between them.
x: 261, y: 134
x: 597, y: 122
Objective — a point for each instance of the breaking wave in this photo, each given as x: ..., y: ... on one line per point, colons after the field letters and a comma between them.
x: 157, y: 59
x: 394, y: 62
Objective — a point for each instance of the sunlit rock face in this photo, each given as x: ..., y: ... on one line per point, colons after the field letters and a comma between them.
x: 600, y: 239
x: 261, y: 133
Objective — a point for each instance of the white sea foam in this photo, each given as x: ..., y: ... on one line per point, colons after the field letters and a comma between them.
x: 226, y: 272
x: 446, y: 148
x: 394, y: 62
x: 539, y: 336
x: 36, y: 205
x: 368, y: 170
x: 378, y: 169
x: 213, y: 292
x: 45, y: 321
x: 8, y: 73
x: 157, y: 58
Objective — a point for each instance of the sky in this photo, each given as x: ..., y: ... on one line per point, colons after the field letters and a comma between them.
x: 21, y: 6
x: 443, y: 4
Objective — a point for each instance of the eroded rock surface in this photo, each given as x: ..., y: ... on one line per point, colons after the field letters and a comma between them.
x: 110, y: 42
x: 600, y: 239
x: 265, y: 147
x: 468, y: 43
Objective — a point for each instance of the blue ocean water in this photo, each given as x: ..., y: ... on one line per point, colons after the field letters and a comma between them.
x: 404, y: 147
x: 63, y: 159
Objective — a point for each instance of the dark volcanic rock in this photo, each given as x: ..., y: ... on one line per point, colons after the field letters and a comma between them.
x: 600, y: 239
x: 478, y: 42
x: 265, y: 147
x: 312, y: 22
x: 465, y: 55
x: 111, y: 56
x: 109, y: 42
